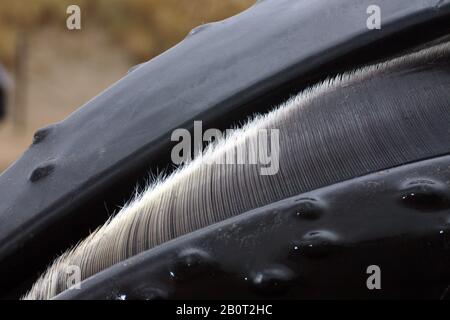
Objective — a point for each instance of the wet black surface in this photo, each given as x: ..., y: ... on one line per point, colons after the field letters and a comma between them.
x: 271, y: 253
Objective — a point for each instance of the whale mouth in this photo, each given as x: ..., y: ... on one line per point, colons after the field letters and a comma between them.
x: 344, y: 127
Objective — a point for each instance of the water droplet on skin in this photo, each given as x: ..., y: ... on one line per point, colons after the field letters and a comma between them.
x: 316, y: 244
x: 273, y: 281
x: 190, y: 263
x: 425, y: 195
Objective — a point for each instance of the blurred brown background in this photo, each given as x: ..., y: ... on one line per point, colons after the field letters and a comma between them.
x: 54, y: 70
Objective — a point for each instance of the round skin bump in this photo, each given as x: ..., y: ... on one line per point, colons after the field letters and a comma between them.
x: 41, y: 172
x: 199, y: 29
x: 41, y: 134
x: 425, y: 195
x: 316, y: 244
x: 308, y: 209
x: 273, y: 281
x: 191, y: 263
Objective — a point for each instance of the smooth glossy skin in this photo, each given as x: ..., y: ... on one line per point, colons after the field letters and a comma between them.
x: 271, y: 252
